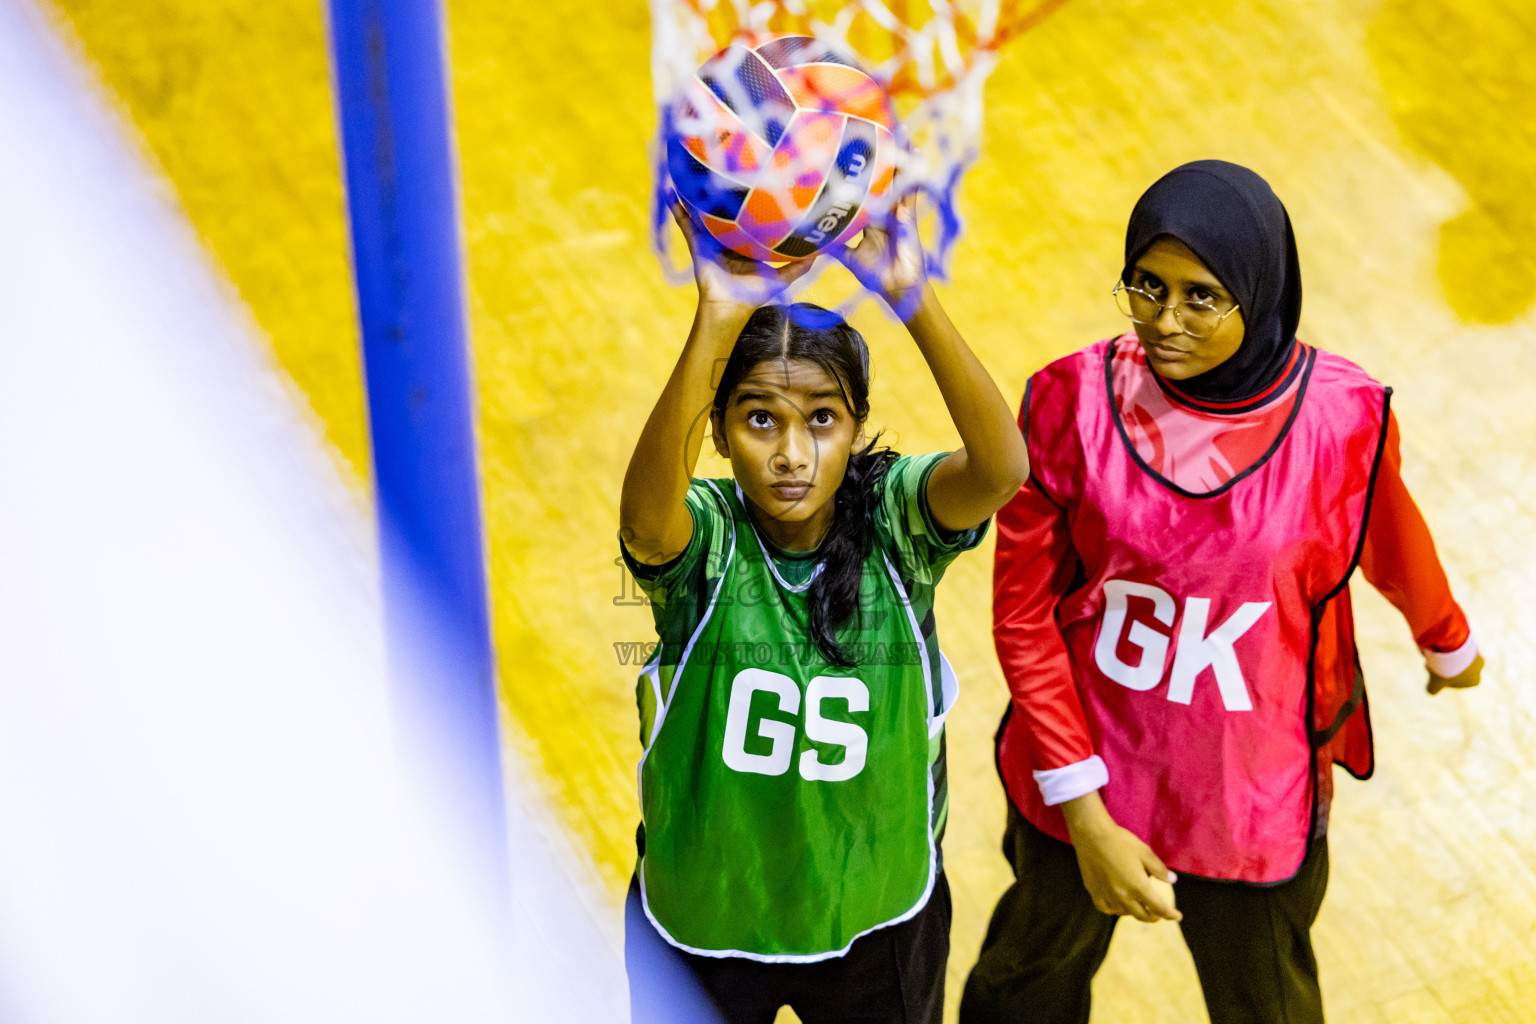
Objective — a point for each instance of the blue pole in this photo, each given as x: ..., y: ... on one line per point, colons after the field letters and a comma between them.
x: 397, y: 152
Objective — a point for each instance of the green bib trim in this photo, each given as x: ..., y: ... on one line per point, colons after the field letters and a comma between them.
x: 788, y: 802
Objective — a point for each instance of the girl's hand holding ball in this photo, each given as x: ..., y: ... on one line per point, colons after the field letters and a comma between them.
x: 728, y: 282
x: 889, y: 260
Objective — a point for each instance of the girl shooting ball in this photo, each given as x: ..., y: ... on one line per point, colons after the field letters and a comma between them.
x: 792, y: 785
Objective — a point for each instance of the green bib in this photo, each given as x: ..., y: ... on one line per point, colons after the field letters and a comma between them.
x: 787, y: 801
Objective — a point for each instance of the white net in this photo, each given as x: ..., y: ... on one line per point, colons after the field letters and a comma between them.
x: 753, y: 139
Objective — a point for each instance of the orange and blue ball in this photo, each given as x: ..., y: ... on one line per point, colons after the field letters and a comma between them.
x: 782, y: 149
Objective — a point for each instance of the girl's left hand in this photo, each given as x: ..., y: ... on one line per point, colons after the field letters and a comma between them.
x: 892, y: 268
x: 1469, y: 677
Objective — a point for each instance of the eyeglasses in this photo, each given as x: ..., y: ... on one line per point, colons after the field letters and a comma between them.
x: 1196, y: 317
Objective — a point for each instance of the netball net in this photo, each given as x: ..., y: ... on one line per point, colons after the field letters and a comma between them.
x: 931, y: 56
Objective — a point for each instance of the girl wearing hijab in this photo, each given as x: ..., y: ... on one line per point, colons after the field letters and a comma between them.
x: 1172, y: 617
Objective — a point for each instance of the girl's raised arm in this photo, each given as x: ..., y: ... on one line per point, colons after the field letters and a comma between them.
x: 654, y: 523
x: 992, y: 464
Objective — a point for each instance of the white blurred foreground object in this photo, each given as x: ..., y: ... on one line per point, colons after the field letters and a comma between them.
x: 201, y: 810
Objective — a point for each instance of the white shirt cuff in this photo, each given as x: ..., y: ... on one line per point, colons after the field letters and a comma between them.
x: 1058, y: 785
x: 1448, y: 664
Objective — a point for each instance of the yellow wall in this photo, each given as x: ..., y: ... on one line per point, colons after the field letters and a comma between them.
x: 1399, y: 135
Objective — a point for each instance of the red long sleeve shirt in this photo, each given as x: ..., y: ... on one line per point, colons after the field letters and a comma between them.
x: 1197, y: 446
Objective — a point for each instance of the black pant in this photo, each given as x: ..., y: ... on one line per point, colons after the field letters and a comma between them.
x: 1252, y: 944
x: 894, y: 975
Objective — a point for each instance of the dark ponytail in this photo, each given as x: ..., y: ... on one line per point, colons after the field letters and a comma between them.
x: 776, y: 334
x: 835, y: 594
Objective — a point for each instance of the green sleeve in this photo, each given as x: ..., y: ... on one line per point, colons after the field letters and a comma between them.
x: 906, y: 523
x: 676, y: 585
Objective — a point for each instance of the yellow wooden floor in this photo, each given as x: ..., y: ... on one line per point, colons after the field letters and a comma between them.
x: 1402, y: 136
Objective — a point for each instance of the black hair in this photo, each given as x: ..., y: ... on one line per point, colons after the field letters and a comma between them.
x: 777, y: 334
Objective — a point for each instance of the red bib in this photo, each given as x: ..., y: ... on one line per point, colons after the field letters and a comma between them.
x: 1194, y: 636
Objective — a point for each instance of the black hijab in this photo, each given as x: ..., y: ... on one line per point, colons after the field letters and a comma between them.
x: 1230, y: 218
